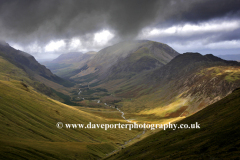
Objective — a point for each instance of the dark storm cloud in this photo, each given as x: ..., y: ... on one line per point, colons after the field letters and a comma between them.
x: 25, y: 21
x: 195, y: 11
x: 129, y: 17
x: 44, y: 20
x: 51, y: 19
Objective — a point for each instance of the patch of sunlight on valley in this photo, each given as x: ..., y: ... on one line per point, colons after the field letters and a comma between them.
x: 165, y: 110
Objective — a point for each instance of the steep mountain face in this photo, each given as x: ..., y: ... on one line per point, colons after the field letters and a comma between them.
x: 67, y: 65
x: 217, y: 138
x: 29, y: 64
x: 23, y: 60
x: 203, y: 79
x: 127, y: 59
x: 187, y: 63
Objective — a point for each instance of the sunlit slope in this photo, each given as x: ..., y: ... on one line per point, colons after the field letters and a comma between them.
x: 28, y: 127
x: 218, y: 137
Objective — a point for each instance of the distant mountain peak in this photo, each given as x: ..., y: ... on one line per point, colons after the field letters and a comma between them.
x: 69, y: 55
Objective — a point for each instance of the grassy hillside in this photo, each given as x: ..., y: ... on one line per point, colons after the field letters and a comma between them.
x: 28, y: 127
x: 218, y: 137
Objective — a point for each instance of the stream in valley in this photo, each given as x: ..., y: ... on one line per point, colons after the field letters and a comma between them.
x: 126, y: 142
x: 129, y: 121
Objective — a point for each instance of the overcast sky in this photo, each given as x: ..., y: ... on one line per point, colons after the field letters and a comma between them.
x: 47, y: 28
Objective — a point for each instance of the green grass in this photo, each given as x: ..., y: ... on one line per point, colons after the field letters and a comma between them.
x: 66, y: 98
x: 10, y: 71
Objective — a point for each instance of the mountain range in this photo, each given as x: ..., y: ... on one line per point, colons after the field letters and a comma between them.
x: 159, y: 80
x: 147, y: 81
